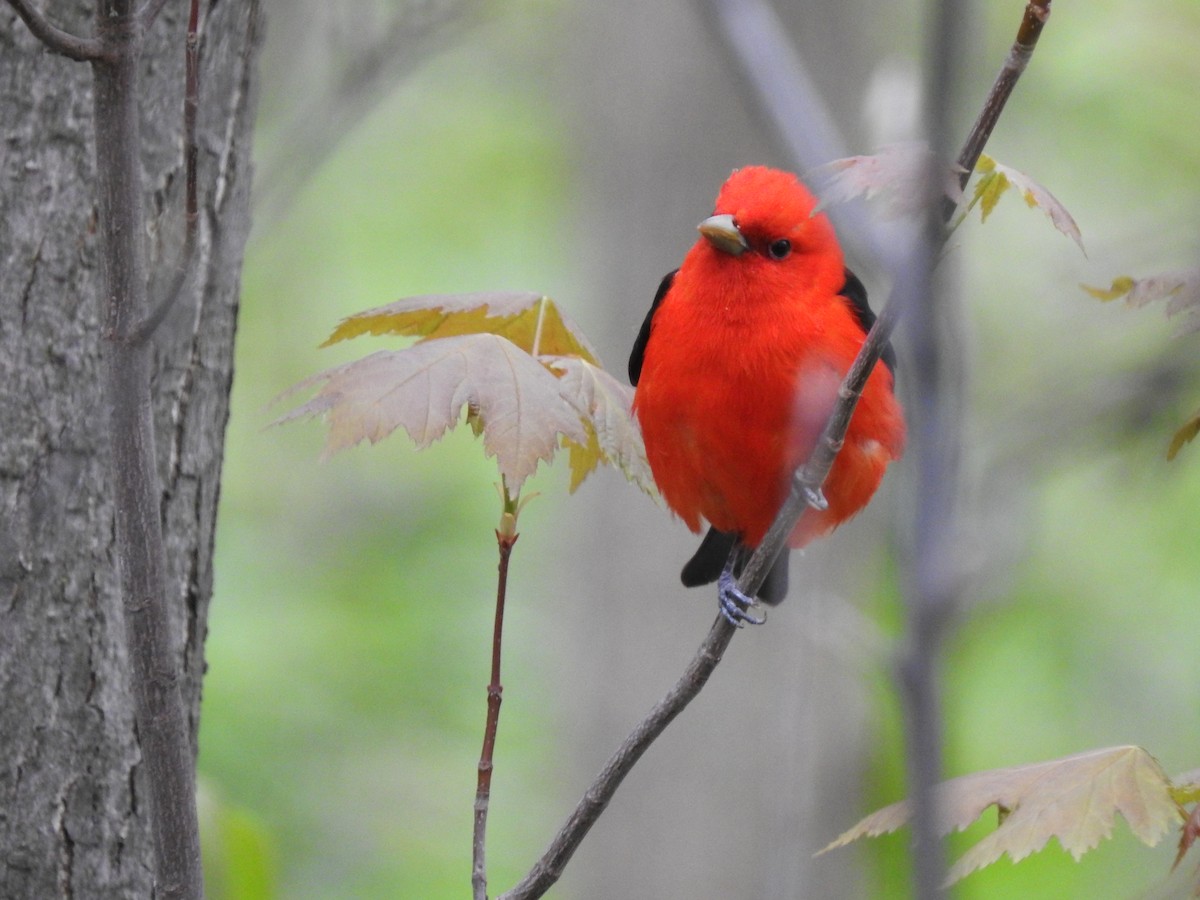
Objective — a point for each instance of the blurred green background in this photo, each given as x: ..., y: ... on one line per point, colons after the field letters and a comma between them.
x: 570, y: 148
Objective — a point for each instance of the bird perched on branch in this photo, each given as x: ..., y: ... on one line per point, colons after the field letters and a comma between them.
x: 737, y: 367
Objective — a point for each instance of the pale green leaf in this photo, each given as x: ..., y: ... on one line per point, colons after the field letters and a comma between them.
x: 1075, y: 799
x: 896, y: 175
x: 1121, y: 286
x: 519, y: 405
x: 604, y: 405
x: 996, y: 179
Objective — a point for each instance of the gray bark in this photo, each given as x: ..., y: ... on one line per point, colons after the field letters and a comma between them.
x: 72, y: 803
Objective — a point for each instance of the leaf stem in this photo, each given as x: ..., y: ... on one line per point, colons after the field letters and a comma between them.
x: 506, y: 537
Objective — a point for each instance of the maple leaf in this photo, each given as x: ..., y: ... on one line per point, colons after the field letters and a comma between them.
x: 1188, y: 835
x: 1181, y: 291
x: 1184, y: 435
x: 1074, y: 799
x: 531, y: 321
x: 528, y: 378
x: 604, y: 405
x: 995, y: 180
x: 515, y: 402
x: 896, y: 175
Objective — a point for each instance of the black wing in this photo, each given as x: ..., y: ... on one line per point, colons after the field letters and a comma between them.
x: 710, y: 557
x: 857, y: 295
x: 638, y: 353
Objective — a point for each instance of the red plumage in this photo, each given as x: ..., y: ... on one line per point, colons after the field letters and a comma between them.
x: 739, y: 363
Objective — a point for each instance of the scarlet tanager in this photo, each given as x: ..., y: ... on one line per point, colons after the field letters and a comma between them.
x: 737, y: 367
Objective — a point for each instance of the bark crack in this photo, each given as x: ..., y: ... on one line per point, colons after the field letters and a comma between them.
x: 66, y: 844
x: 27, y: 290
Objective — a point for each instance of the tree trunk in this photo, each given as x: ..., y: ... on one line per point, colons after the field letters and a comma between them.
x: 72, y: 799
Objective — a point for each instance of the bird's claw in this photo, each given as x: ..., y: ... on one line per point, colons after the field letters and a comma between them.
x: 815, y: 498
x: 734, y: 603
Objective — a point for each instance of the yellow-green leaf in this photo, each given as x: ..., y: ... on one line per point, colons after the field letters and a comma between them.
x: 531, y: 321
x: 1180, y: 290
x: 1074, y: 799
x: 1121, y: 285
x: 1184, y: 436
x: 988, y: 191
x: 995, y: 180
x: 1186, y: 787
x: 604, y: 405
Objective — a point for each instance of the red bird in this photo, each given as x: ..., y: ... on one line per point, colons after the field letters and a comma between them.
x: 737, y: 367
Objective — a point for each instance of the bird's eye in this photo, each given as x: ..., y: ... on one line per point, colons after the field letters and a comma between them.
x: 780, y: 248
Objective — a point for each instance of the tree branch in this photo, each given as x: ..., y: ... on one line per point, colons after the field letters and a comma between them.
x: 141, y: 553
x: 930, y: 599
x: 547, y: 870
x: 1037, y: 13
x: 56, y: 39
x: 506, y: 537
x: 145, y: 329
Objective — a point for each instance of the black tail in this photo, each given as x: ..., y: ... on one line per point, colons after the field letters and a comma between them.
x: 710, y: 557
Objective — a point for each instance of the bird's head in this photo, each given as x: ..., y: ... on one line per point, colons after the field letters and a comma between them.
x: 766, y: 221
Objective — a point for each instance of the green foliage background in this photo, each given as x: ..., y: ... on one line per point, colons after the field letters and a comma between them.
x: 350, y: 629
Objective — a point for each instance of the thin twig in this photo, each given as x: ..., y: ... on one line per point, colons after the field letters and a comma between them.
x: 1037, y: 13
x: 547, y: 870
x: 930, y: 600
x: 56, y: 39
x: 506, y: 537
x: 191, y: 105
x: 137, y: 494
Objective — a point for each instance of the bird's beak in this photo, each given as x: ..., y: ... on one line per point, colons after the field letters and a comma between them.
x: 723, y: 234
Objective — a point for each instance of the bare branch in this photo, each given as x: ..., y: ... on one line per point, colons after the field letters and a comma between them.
x: 56, y: 39
x: 931, y: 600
x: 162, y: 725
x: 1037, y: 13
x: 549, y: 868
x: 506, y: 537
x: 191, y: 105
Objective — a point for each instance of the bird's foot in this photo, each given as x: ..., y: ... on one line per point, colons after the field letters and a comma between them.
x: 815, y: 498
x: 735, y: 605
